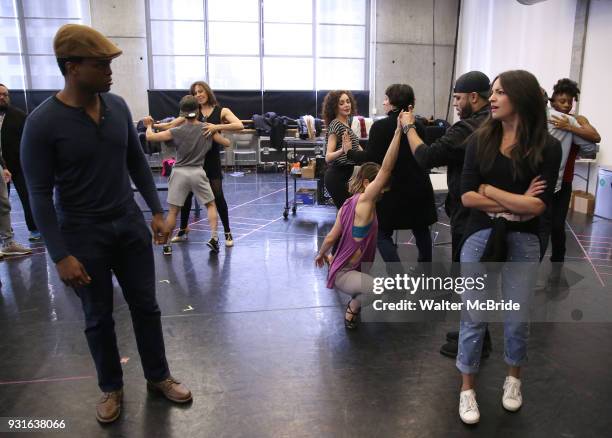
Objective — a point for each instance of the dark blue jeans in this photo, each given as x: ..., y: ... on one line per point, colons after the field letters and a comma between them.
x: 122, y: 247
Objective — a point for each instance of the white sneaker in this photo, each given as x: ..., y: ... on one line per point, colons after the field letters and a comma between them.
x: 468, y: 408
x: 512, y: 399
x: 179, y: 238
x: 13, y: 248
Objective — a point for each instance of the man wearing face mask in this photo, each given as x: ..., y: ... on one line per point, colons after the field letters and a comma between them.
x: 470, y: 99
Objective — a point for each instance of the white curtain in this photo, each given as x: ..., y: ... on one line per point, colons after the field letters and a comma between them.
x: 595, y: 85
x: 500, y: 35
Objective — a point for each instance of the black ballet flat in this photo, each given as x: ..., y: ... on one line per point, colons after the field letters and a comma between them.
x: 352, y: 323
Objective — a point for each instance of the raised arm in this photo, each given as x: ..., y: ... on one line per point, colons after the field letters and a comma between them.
x: 447, y: 149
x: 373, y: 150
x: 155, y: 136
x: 172, y: 124
x: 333, y: 137
x: 375, y: 187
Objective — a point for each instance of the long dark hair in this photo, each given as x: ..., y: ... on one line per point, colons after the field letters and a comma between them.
x: 524, y: 92
x: 211, y: 98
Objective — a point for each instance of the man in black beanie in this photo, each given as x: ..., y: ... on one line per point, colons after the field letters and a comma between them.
x: 471, y: 100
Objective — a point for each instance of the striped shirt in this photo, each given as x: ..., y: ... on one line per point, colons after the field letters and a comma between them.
x: 338, y: 128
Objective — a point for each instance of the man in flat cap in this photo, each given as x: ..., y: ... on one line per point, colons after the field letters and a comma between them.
x: 82, y: 143
x: 471, y: 101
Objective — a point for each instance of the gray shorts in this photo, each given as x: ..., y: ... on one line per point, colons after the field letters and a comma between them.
x: 189, y: 179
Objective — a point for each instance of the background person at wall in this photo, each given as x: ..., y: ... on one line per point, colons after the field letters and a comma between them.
x: 12, y: 120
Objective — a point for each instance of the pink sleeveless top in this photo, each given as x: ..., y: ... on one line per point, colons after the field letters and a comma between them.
x: 348, y: 245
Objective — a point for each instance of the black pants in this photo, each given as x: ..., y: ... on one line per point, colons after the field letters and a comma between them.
x: 336, y: 183
x: 22, y: 191
x: 388, y: 249
x: 554, y: 223
x: 122, y: 247
x: 217, y: 189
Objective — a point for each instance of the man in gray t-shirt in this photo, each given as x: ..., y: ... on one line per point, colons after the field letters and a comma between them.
x: 191, y: 145
x: 188, y: 174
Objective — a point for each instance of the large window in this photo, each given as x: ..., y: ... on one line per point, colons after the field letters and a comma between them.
x: 27, y: 28
x: 259, y: 44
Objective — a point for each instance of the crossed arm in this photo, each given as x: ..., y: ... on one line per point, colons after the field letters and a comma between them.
x: 491, y: 199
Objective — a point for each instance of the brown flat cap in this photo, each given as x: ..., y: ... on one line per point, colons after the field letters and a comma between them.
x: 77, y: 40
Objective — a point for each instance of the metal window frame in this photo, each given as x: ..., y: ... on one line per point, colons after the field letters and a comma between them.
x: 24, y: 51
x: 314, y: 56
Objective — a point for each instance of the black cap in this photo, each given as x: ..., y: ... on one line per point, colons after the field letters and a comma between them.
x: 189, y: 106
x: 472, y: 82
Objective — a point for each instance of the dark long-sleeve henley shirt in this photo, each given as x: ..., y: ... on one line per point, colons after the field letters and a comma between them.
x: 88, y: 164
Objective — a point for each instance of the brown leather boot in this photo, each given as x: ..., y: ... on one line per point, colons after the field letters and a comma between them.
x: 172, y: 389
x: 109, y: 406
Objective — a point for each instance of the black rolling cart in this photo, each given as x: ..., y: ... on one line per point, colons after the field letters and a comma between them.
x: 294, y: 143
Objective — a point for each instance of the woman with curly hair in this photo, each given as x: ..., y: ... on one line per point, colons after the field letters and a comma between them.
x: 338, y: 107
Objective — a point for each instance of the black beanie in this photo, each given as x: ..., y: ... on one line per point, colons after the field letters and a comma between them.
x: 472, y: 82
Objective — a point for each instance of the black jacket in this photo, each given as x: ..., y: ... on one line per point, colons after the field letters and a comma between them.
x: 410, y: 201
x: 12, y: 128
x: 449, y: 151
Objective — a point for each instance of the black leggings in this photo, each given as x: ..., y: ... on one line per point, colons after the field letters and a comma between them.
x: 554, y: 222
x: 336, y: 182
x: 217, y: 189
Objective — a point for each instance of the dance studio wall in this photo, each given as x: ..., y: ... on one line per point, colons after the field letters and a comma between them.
x: 596, y: 79
x: 498, y: 35
x: 124, y: 23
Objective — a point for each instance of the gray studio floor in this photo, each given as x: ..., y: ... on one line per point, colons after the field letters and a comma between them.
x: 260, y: 340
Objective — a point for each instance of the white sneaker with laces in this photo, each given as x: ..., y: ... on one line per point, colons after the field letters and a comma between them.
x: 179, y: 238
x: 468, y: 408
x: 512, y: 399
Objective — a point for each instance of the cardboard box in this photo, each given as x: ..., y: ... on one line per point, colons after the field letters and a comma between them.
x: 582, y: 202
x: 309, y: 171
x: 306, y: 196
